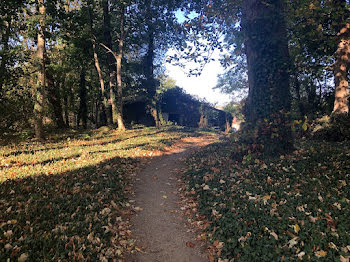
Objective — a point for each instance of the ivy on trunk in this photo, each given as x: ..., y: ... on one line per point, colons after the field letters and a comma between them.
x: 268, y: 102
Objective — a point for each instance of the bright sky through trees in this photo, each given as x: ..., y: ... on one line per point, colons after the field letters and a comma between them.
x: 201, y: 86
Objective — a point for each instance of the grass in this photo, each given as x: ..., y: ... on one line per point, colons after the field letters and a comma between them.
x: 283, y: 209
x: 66, y: 199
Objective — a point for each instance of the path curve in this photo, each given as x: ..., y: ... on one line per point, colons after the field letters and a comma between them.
x: 159, y: 227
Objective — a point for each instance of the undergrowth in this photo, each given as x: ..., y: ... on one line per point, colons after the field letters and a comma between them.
x: 291, y: 208
x: 66, y: 199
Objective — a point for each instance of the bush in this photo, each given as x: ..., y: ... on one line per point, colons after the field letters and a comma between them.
x: 334, y: 128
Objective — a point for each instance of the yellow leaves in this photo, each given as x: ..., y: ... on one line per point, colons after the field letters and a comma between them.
x: 267, y: 197
x: 312, y: 6
x: 296, y: 228
x: 320, y: 253
x: 342, y: 183
x: 304, y: 126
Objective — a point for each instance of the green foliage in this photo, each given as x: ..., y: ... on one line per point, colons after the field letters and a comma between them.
x: 334, y: 128
x: 273, y: 209
x: 67, y: 199
x: 234, y: 81
x: 236, y: 109
x: 265, y: 137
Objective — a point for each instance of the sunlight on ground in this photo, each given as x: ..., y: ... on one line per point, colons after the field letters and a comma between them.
x: 30, y: 159
x: 66, y: 200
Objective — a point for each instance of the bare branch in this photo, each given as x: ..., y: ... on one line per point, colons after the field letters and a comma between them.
x: 110, y: 51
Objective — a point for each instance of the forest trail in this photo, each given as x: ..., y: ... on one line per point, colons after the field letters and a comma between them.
x: 160, y: 228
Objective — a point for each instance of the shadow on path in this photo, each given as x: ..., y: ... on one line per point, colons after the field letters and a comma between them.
x: 159, y: 227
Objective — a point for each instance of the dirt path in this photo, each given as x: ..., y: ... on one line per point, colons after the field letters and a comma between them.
x: 159, y: 227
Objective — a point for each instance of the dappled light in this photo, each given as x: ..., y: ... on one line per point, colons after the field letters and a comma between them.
x: 115, y: 145
x: 24, y: 160
x: 71, y: 194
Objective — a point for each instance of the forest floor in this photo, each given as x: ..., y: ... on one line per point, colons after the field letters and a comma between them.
x: 105, y: 196
x: 67, y: 199
x: 160, y: 226
x: 289, y: 208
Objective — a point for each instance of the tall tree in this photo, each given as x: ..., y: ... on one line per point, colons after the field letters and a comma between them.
x: 82, y: 112
x: 266, y: 48
x: 151, y: 84
x: 40, y: 98
x: 107, y: 32
x: 342, y: 58
x: 103, y: 102
x: 54, y: 98
x: 119, y: 60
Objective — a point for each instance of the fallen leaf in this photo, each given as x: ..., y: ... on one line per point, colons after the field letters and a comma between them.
x: 23, y: 257
x: 321, y: 253
x: 293, y: 242
x: 300, y: 255
x: 211, y: 258
x: 296, y: 228
x: 267, y: 197
x: 274, y: 235
x: 189, y: 244
x: 344, y: 259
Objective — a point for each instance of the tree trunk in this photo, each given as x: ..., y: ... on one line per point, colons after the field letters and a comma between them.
x: 82, y: 113
x: 297, y: 90
x: 341, y: 68
x: 39, y: 108
x: 5, y: 53
x: 111, y: 63
x: 66, y: 109
x: 55, y: 100
x: 228, y: 123
x: 149, y: 67
x: 342, y: 56
x: 203, y: 121
x: 119, y: 98
x: 267, y: 53
x: 103, y: 101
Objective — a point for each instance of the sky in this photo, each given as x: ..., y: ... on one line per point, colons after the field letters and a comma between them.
x: 201, y: 86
